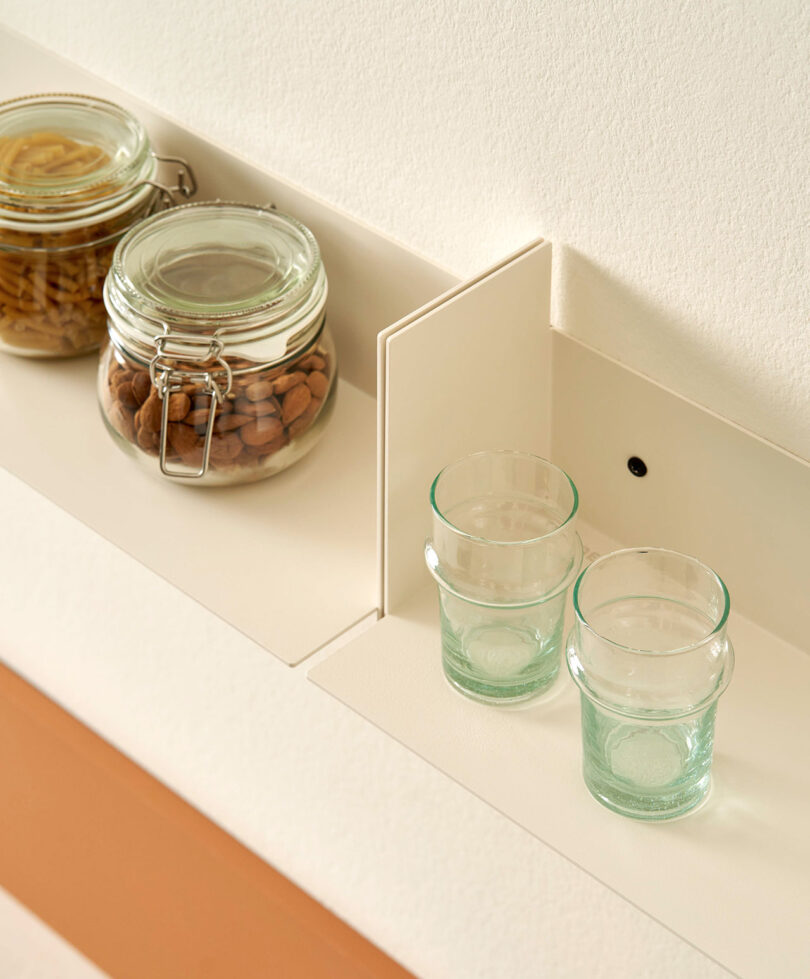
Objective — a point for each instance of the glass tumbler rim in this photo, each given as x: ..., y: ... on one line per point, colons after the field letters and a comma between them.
x: 717, y: 628
x: 489, y: 540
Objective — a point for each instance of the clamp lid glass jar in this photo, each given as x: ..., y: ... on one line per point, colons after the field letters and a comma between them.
x: 75, y: 173
x: 220, y: 366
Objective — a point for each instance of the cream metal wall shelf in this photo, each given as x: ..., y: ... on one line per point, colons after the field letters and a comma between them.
x: 296, y: 561
x: 433, y: 368
x: 734, y: 877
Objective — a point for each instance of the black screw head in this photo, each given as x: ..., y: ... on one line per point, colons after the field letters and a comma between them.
x: 638, y: 467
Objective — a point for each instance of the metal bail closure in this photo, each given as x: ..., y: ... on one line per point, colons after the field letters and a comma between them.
x: 169, y: 379
x: 186, y: 184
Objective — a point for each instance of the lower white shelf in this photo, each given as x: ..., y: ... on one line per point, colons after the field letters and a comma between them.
x: 290, y: 561
x: 732, y: 878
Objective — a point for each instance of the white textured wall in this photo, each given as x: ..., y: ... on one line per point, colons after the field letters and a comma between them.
x: 29, y: 949
x: 661, y: 146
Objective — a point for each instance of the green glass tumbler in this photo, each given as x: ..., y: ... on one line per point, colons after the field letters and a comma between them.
x: 504, y: 553
x: 650, y: 655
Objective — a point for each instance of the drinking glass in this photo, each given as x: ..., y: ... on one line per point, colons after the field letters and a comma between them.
x: 504, y: 553
x: 650, y: 655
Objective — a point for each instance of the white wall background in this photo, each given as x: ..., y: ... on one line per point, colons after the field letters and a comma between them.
x: 29, y: 949
x: 662, y: 147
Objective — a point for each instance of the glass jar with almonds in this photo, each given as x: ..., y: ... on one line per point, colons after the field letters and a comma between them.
x: 76, y: 172
x: 220, y: 367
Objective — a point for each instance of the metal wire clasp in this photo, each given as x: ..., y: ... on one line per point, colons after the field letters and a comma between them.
x: 186, y: 182
x: 168, y: 379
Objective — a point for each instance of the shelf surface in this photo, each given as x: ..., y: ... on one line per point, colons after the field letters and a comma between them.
x: 289, y: 561
x: 292, y: 561
x: 732, y: 878
x: 370, y: 830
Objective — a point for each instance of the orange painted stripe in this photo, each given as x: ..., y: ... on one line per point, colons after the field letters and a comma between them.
x: 139, y: 881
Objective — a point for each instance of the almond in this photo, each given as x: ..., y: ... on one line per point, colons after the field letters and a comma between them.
x: 286, y: 382
x: 149, y: 415
x: 312, y: 363
x: 148, y: 441
x: 141, y: 386
x: 305, y: 419
x: 227, y: 423
x: 125, y: 394
x: 260, y: 430
x: 245, y: 407
x: 199, y: 416
x: 255, y: 453
x: 225, y: 448
x: 295, y: 403
x: 179, y: 405
x: 259, y: 390
x: 123, y: 377
x: 318, y: 383
x: 184, y: 440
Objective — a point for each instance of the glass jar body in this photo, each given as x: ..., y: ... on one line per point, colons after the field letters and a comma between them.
x: 51, y: 284
x: 271, y: 416
x: 76, y: 172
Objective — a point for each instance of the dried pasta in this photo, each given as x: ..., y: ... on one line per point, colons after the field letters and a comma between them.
x: 48, y: 155
x: 51, y: 281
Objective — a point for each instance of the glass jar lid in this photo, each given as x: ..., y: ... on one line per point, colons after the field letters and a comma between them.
x: 63, y: 156
x: 248, y: 275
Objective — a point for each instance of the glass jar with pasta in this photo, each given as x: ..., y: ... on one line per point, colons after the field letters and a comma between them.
x: 75, y: 173
x: 220, y: 367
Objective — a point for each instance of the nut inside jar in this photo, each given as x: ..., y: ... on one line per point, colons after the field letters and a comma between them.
x: 221, y: 362
x: 267, y: 415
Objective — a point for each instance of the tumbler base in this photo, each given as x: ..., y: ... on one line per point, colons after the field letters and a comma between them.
x: 508, y: 695
x: 651, y: 808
